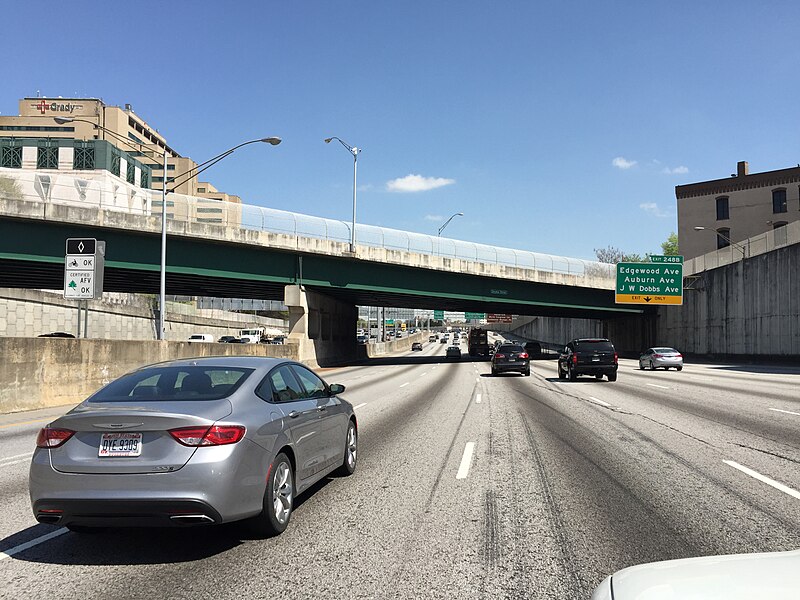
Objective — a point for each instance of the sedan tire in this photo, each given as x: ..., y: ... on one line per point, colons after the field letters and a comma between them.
x: 278, y: 499
x: 652, y: 366
x: 350, y: 451
x: 561, y: 374
x: 679, y: 368
x: 571, y: 374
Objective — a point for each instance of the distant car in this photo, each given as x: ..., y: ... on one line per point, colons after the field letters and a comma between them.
x: 766, y: 576
x: 588, y: 356
x: 278, y: 340
x: 443, y: 340
x: 661, y: 358
x: 200, y: 337
x: 193, y: 442
x: 431, y: 338
x: 453, y: 352
x: 416, y: 346
x: 511, y: 358
x: 57, y: 334
x: 362, y: 339
x: 228, y: 339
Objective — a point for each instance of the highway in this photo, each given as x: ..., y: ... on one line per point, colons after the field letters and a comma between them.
x: 468, y: 486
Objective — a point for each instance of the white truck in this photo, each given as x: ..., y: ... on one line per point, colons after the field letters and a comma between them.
x: 251, y: 336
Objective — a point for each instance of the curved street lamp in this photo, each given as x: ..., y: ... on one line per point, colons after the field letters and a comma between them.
x: 724, y: 237
x: 446, y: 223
x: 355, y: 152
x: 162, y: 295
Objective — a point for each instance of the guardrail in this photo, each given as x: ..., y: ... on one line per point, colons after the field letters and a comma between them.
x: 103, y: 190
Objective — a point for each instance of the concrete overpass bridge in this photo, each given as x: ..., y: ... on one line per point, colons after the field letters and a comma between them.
x: 254, y: 252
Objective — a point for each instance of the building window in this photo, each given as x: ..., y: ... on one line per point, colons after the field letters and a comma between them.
x: 47, y: 157
x: 723, y: 211
x: 11, y: 157
x: 723, y: 238
x: 130, y: 176
x: 779, y: 201
x: 144, y: 180
x: 84, y: 158
x: 33, y: 128
x: 115, y: 160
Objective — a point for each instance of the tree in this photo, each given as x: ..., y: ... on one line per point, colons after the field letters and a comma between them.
x: 670, y: 247
x: 614, y: 255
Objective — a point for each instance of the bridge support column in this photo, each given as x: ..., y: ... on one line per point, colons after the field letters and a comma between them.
x: 323, y: 327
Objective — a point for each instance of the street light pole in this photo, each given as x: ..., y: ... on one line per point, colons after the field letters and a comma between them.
x: 162, y: 294
x: 446, y: 223
x: 724, y: 237
x: 355, y: 152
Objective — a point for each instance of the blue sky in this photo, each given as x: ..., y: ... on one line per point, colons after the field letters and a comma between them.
x: 557, y: 127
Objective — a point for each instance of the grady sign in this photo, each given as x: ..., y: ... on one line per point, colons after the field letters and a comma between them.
x: 44, y: 105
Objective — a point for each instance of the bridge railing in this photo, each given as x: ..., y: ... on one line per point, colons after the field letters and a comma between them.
x: 103, y: 190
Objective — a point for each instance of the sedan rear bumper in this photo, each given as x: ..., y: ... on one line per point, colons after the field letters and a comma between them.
x: 125, y: 513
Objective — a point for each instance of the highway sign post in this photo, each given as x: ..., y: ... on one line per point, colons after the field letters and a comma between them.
x: 84, y: 264
x: 657, y: 282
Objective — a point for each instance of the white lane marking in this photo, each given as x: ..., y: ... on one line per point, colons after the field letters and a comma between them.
x: 433, y: 367
x: 478, y: 379
x: 14, y: 462
x: 359, y: 405
x: 663, y: 387
x: 425, y: 373
x: 598, y: 401
x: 25, y: 455
x: 764, y: 479
x: 477, y: 399
x: 788, y: 412
x: 17, y: 549
x: 405, y: 384
x: 466, y: 460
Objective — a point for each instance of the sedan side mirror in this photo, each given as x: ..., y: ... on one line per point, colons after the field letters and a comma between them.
x: 336, y: 389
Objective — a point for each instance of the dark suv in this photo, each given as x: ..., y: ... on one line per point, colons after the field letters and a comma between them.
x: 510, y: 357
x: 592, y: 356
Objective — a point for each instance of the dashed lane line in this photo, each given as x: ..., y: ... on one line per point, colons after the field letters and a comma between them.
x: 764, y: 479
x: 466, y: 461
x: 598, y: 401
x: 35, y: 542
x: 477, y: 399
x: 663, y: 387
x: 360, y: 405
x: 788, y: 412
x: 404, y: 384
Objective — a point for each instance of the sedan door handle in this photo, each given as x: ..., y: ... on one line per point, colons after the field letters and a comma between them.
x: 294, y: 414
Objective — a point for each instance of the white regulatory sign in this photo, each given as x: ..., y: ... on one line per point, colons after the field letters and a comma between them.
x: 84, y: 262
x: 79, y: 284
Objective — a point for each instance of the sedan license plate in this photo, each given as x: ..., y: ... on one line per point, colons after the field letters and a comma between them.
x: 120, y: 444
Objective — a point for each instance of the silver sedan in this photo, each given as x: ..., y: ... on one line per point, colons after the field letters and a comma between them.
x: 197, y: 441
x: 661, y: 358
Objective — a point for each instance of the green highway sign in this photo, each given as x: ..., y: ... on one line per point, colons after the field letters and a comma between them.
x: 474, y: 315
x: 650, y: 283
x: 438, y: 315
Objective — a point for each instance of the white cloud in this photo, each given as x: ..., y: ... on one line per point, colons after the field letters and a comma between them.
x: 652, y: 208
x: 623, y: 163
x: 434, y: 217
x: 681, y: 170
x: 417, y: 183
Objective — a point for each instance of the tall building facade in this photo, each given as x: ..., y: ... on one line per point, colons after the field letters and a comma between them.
x: 736, y: 208
x: 128, y: 146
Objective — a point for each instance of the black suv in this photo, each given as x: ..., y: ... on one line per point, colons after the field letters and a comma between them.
x: 510, y: 357
x: 591, y: 356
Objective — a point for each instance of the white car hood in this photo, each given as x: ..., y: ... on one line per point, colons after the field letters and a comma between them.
x: 765, y: 576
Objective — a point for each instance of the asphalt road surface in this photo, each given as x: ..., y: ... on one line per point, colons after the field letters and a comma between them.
x: 468, y: 486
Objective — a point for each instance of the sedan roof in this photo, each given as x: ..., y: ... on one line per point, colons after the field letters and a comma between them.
x: 250, y: 362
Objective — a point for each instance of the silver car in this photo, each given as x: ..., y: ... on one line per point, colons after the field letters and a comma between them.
x: 196, y: 441
x: 661, y: 358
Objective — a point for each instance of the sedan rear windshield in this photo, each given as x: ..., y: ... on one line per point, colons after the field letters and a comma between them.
x: 594, y: 346
x: 665, y: 350
x: 174, y: 384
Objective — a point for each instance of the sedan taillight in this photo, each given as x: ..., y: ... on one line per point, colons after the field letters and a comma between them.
x: 216, y: 435
x: 496, y: 355
x: 658, y: 355
x: 53, y: 437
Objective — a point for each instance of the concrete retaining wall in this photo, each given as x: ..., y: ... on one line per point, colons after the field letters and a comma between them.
x: 554, y: 331
x: 115, y: 316
x: 42, y: 372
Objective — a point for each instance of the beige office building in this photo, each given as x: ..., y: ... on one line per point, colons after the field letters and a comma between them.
x: 137, y: 142
x: 736, y: 208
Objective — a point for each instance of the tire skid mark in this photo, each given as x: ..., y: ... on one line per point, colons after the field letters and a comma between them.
x: 579, y: 588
